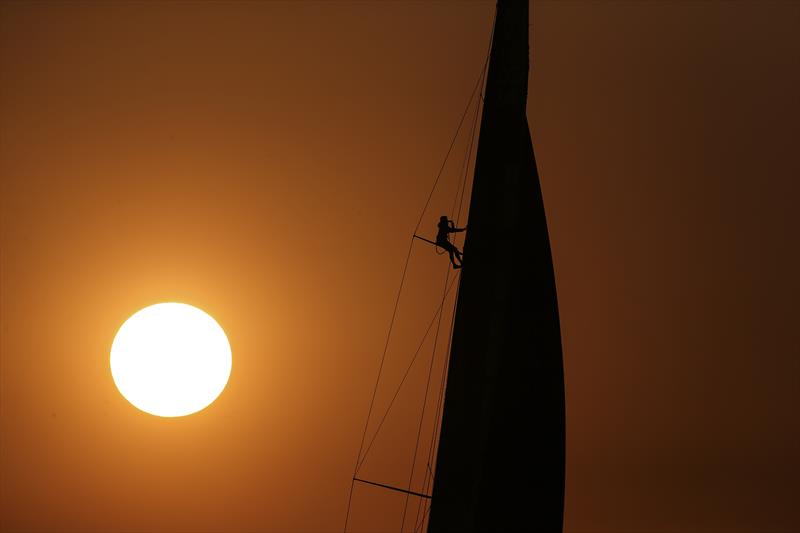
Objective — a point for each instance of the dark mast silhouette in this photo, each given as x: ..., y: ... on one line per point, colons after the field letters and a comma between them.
x: 500, y: 462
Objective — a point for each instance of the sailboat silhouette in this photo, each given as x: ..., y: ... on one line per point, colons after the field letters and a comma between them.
x: 501, y: 454
x: 500, y: 462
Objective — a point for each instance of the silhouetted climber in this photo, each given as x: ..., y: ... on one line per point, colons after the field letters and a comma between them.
x: 446, y: 227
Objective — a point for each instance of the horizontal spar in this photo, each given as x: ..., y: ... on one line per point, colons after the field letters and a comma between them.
x: 393, y: 488
x: 424, y: 239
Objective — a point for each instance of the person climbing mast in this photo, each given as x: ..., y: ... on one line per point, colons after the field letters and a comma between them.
x: 446, y: 227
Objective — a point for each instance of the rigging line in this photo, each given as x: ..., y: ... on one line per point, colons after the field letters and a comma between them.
x: 377, y: 381
x: 462, y: 188
x: 474, y: 127
x: 458, y: 183
x: 469, y: 157
x: 425, y: 397
x: 425, y: 513
x: 397, y: 392
x: 465, y: 163
x: 349, y: 504
x: 428, y: 475
x: 478, y: 84
x: 452, y: 143
x: 440, y: 400
x: 402, y: 281
x: 359, y: 459
x: 439, y: 406
x: 465, y: 169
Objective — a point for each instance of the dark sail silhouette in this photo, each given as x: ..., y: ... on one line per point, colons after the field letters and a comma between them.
x: 500, y: 462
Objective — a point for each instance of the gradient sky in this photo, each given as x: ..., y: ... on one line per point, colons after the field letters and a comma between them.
x: 267, y: 162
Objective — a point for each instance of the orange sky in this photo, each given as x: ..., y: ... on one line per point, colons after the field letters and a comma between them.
x: 267, y: 162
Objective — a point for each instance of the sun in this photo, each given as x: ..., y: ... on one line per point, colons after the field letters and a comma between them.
x: 170, y: 359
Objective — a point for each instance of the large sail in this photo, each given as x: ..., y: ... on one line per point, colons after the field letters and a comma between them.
x: 500, y: 462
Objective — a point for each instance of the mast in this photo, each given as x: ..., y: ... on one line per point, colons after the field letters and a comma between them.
x: 500, y: 462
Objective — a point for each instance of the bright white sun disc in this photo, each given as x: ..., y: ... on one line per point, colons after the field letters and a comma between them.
x: 170, y: 359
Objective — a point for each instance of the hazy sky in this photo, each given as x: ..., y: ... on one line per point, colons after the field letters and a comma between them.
x: 267, y: 162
